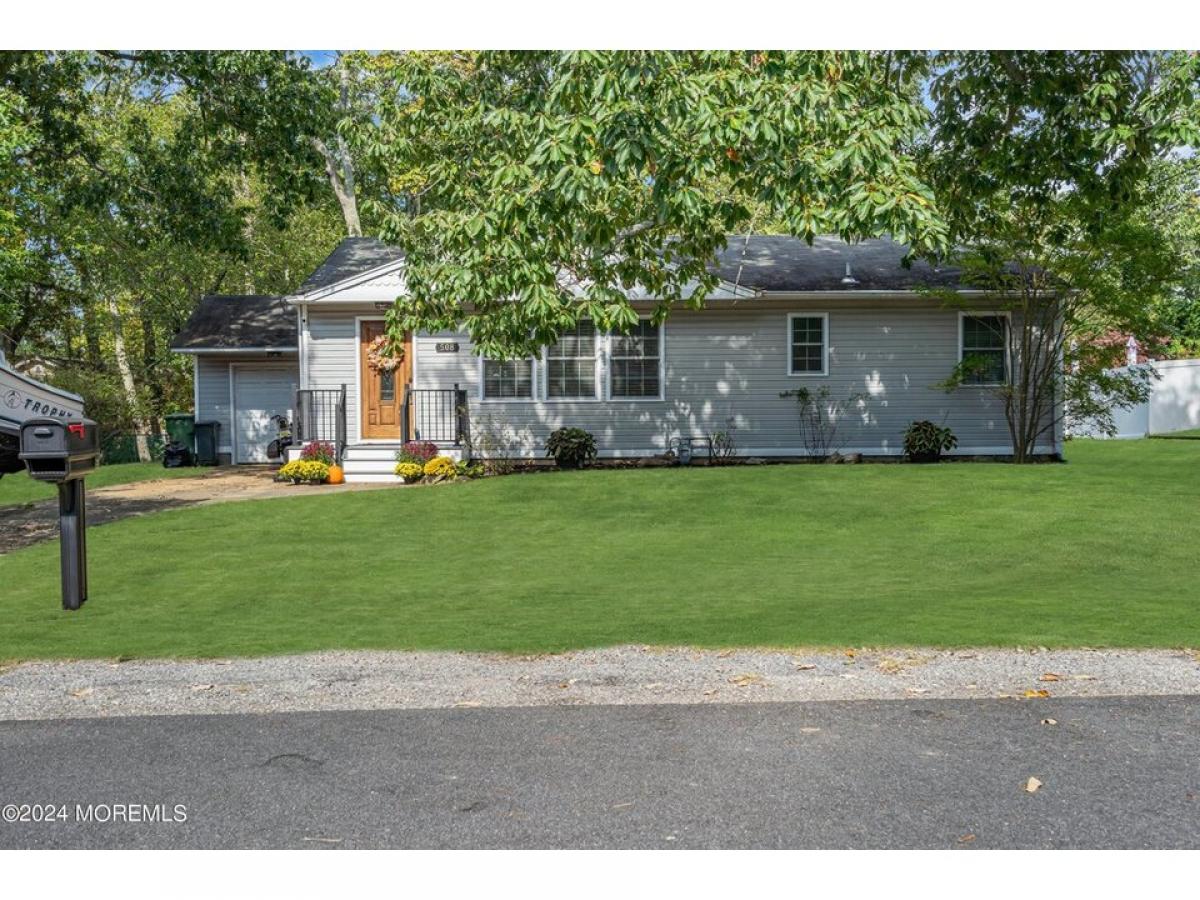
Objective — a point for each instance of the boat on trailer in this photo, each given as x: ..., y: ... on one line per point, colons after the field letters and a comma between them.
x: 23, y: 398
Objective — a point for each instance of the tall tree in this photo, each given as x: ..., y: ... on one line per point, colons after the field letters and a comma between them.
x: 122, y: 159
x: 1174, y: 213
x: 343, y: 77
x: 555, y: 185
x: 1040, y: 162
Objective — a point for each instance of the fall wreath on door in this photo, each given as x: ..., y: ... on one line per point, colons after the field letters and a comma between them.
x: 382, y: 356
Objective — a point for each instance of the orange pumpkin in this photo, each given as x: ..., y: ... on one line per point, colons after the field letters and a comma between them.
x: 336, y: 475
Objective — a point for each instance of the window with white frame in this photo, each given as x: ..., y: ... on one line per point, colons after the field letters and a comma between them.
x: 634, y: 362
x: 984, y: 349
x: 808, y: 336
x: 508, y: 379
x: 571, y: 364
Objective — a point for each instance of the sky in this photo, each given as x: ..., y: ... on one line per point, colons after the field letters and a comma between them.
x: 320, y: 58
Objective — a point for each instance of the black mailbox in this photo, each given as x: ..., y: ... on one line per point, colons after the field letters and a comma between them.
x: 64, y: 452
x: 58, y: 450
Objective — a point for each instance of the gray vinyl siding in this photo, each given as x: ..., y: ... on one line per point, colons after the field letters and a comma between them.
x: 212, y: 387
x: 332, y: 357
x: 727, y: 363
x: 212, y: 394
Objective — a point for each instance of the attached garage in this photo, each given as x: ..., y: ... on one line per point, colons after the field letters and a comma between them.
x: 245, y: 370
x: 260, y: 392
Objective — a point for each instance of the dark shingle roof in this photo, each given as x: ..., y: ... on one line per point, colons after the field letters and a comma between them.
x: 767, y: 263
x: 353, y: 256
x: 223, y: 322
x: 772, y: 263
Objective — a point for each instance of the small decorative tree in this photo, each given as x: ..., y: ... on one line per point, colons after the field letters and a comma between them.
x: 819, y: 417
x: 724, y: 443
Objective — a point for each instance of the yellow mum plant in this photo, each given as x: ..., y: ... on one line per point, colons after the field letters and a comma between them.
x: 409, y: 471
x: 304, y: 471
x: 441, y: 467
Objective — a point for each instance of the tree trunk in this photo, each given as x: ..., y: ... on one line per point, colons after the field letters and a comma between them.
x: 91, y: 338
x: 338, y: 164
x: 154, y: 376
x: 248, y: 237
x: 10, y: 340
x: 1034, y: 343
x: 349, y: 199
x: 341, y: 179
x: 127, y: 383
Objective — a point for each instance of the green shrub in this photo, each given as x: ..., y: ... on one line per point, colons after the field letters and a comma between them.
x: 572, y: 448
x: 469, y: 470
x: 304, y: 471
x: 925, y: 441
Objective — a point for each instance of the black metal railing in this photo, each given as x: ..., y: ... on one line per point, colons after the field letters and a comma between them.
x: 321, y: 416
x: 438, y: 415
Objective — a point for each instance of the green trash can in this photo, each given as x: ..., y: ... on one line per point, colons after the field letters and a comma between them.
x: 182, y: 429
x: 207, y: 434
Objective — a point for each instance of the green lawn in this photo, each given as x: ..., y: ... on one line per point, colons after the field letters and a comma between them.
x: 20, y: 488
x: 1100, y: 551
x: 1190, y: 434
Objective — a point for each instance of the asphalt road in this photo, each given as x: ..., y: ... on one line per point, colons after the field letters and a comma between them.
x: 1120, y: 772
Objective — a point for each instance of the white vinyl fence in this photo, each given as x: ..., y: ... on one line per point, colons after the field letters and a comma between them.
x: 1174, y: 403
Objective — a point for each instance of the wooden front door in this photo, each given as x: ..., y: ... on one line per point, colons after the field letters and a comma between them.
x: 382, y: 392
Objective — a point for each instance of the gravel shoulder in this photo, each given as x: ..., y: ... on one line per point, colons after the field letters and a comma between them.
x: 611, y: 676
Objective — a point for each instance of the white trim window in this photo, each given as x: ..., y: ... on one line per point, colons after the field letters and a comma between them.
x: 506, y: 379
x: 635, y: 363
x: 808, y: 343
x: 983, y: 338
x: 571, y: 368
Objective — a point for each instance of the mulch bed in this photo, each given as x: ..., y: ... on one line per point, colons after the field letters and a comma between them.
x: 31, y: 523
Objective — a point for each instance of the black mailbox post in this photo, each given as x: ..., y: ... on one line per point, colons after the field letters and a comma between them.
x: 63, y: 453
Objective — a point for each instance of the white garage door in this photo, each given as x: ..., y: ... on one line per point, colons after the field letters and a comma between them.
x: 259, y: 392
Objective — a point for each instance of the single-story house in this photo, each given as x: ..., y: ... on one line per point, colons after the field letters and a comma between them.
x: 849, y: 318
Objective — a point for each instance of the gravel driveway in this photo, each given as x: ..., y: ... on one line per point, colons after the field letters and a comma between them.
x: 618, y: 675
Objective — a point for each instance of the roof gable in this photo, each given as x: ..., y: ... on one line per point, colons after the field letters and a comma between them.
x: 352, y: 257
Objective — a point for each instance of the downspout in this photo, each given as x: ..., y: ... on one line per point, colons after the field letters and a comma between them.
x: 302, y: 342
x: 302, y: 353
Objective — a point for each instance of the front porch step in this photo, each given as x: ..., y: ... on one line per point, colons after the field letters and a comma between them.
x: 375, y: 452
x: 372, y: 478
x: 377, y: 462
x: 367, y: 452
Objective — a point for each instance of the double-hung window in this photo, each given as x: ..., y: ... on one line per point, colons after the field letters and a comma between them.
x: 808, y: 344
x: 508, y: 379
x: 571, y: 364
x: 635, y: 361
x: 983, y: 349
